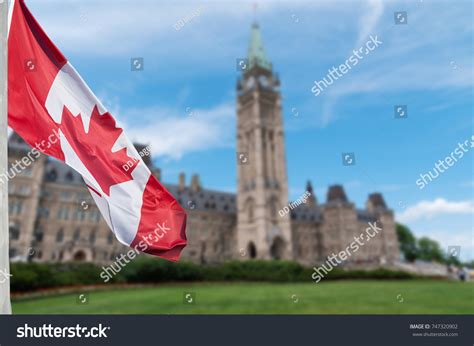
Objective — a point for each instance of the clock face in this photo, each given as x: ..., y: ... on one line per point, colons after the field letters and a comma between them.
x: 250, y: 83
x: 263, y: 81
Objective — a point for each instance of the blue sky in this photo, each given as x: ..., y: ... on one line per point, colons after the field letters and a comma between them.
x: 183, y: 102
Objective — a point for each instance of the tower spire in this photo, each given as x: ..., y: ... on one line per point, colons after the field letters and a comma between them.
x: 256, y: 53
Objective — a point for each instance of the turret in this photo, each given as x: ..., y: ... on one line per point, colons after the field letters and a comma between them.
x: 312, y: 197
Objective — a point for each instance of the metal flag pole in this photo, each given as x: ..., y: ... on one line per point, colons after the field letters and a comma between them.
x: 5, y: 307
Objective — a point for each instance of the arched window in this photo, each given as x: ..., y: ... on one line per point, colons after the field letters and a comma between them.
x: 79, y: 256
x: 252, y: 250
x: 277, y: 249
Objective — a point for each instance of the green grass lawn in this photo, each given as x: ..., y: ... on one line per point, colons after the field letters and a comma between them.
x: 337, y: 297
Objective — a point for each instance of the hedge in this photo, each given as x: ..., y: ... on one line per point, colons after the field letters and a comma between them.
x: 33, y: 276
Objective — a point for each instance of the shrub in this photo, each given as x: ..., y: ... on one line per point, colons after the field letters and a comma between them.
x: 33, y: 276
x: 146, y: 269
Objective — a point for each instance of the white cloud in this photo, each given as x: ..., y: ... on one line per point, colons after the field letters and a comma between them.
x: 435, y: 208
x: 172, y: 135
x: 416, y: 57
x: 369, y: 21
x: 131, y: 26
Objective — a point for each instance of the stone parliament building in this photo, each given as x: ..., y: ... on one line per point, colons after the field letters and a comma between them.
x: 53, y: 217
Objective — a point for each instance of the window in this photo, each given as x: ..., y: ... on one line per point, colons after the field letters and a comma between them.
x: 92, y: 215
x: 77, y: 234
x: 38, y: 234
x: 15, y: 207
x: 24, y: 190
x: 14, y: 231
x: 249, y: 206
x: 92, y: 237
x: 60, y: 236
x: 52, y: 175
x: 69, y: 177
x: 63, y: 213
x: 80, y: 214
x: 252, y: 250
x: 43, y: 212
x: 13, y: 253
x: 110, y: 238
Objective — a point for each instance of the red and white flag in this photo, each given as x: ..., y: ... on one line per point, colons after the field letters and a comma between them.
x: 46, y: 95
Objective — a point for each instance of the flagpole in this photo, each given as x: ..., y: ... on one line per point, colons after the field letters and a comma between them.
x: 5, y: 307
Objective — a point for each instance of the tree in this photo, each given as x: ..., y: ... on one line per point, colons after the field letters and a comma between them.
x: 429, y: 250
x: 469, y: 264
x: 407, y: 242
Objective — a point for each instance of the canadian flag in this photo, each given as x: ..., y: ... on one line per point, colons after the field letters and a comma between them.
x: 52, y: 109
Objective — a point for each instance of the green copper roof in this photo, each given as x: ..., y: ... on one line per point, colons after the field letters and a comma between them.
x: 256, y: 55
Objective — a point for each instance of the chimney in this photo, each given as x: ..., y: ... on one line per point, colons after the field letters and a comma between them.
x: 195, y: 183
x: 182, y: 181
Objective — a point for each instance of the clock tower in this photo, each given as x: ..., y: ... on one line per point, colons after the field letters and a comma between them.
x: 263, y: 231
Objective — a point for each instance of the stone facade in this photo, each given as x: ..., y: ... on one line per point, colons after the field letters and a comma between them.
x: 53, y: 217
